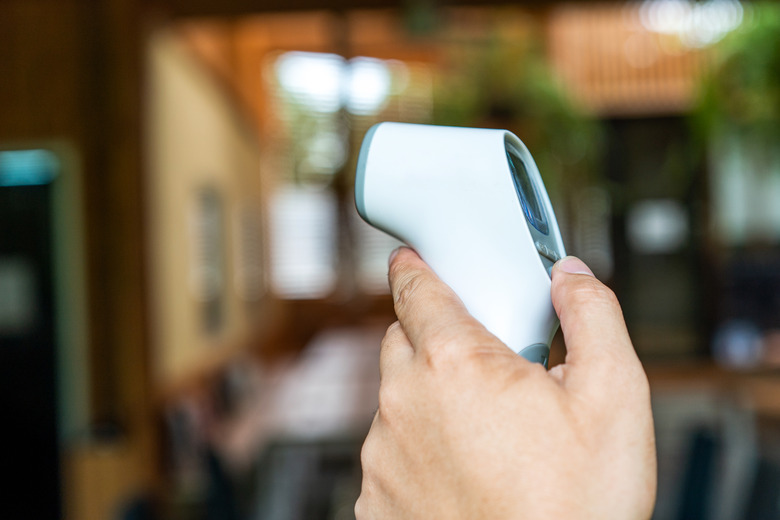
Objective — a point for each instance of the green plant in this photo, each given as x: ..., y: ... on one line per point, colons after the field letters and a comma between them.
x: 742, y: 92
x: 509, y: 85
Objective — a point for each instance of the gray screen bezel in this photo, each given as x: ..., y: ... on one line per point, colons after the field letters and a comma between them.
x: 548, y: 245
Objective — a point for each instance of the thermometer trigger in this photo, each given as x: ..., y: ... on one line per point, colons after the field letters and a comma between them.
x: 546, y: 252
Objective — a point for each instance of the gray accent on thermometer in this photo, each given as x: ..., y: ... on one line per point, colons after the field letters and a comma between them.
x: 537, y: 353
x: 546, y: 252
x: 360, y: 173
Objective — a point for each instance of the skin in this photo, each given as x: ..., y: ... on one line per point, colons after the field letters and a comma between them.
x: 467, y: 429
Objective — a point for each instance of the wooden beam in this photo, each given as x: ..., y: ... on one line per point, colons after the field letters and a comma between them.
x: 207, y: 8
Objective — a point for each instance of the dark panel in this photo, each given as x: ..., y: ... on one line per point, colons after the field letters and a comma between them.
x: 28, y: 443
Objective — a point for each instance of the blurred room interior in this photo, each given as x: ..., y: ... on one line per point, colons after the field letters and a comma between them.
x: 190, y: 308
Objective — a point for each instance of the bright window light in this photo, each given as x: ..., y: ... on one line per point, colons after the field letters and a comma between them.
x: 326, y: 82
x: 303, y: 242
x: 312, y: 79
x: 697, y: 24
x: 369, y: 86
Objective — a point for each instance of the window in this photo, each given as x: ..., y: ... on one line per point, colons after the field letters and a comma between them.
x: 325, y: 104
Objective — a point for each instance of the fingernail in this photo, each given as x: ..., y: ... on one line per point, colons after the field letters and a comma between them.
x: 573, y: 265
x: 393, y: 255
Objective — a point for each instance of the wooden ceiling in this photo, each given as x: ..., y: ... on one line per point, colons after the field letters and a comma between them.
x: 205, y: 8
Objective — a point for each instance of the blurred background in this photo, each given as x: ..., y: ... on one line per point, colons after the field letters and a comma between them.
x: 190, y: 308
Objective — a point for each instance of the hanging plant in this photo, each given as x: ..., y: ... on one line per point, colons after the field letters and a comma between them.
x: 509, y: 85
x: 737, y: 122
x: 741, y: 94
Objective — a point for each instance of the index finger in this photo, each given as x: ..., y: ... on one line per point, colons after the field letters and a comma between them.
x: 429, y: 311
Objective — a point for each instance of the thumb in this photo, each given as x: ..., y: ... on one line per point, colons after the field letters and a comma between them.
x: 598, y: 347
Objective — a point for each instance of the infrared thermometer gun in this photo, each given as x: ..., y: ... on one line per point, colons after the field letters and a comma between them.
x: 472, y: 204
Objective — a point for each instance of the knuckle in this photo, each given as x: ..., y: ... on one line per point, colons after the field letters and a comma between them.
x: 609, y: 295
x: 393, y: 329
x: 451, y: 347
x: 593, y: 291
x: 369, y: 499
x: 408, y: 286
x: 397, y: 270
x: 393, y: 333
x: 642, y: 386
x: 441, y: 355
x: 443, y: 348
x: 390, y: 400
x: 367, y: 456
x: 433, y: 358
x: 387, y: 341
x: 363, y: 504
x: 361, y: 507
x: 392, y: 344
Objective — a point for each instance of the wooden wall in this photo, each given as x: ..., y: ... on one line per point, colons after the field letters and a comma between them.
x: 70, y: 73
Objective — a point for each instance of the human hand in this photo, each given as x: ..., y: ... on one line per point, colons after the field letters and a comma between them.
x: 468, y: 429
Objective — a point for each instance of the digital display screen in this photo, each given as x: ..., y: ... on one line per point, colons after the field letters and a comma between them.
x: 526, y: 192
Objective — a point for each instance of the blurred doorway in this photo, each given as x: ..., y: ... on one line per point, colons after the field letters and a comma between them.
x: 29, y: 442
x: 658, y: 201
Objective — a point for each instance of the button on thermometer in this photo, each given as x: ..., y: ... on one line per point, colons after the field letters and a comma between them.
x: 471, y: 202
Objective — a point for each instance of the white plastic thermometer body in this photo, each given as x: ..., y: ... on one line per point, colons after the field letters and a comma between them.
x: 471, y: 202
